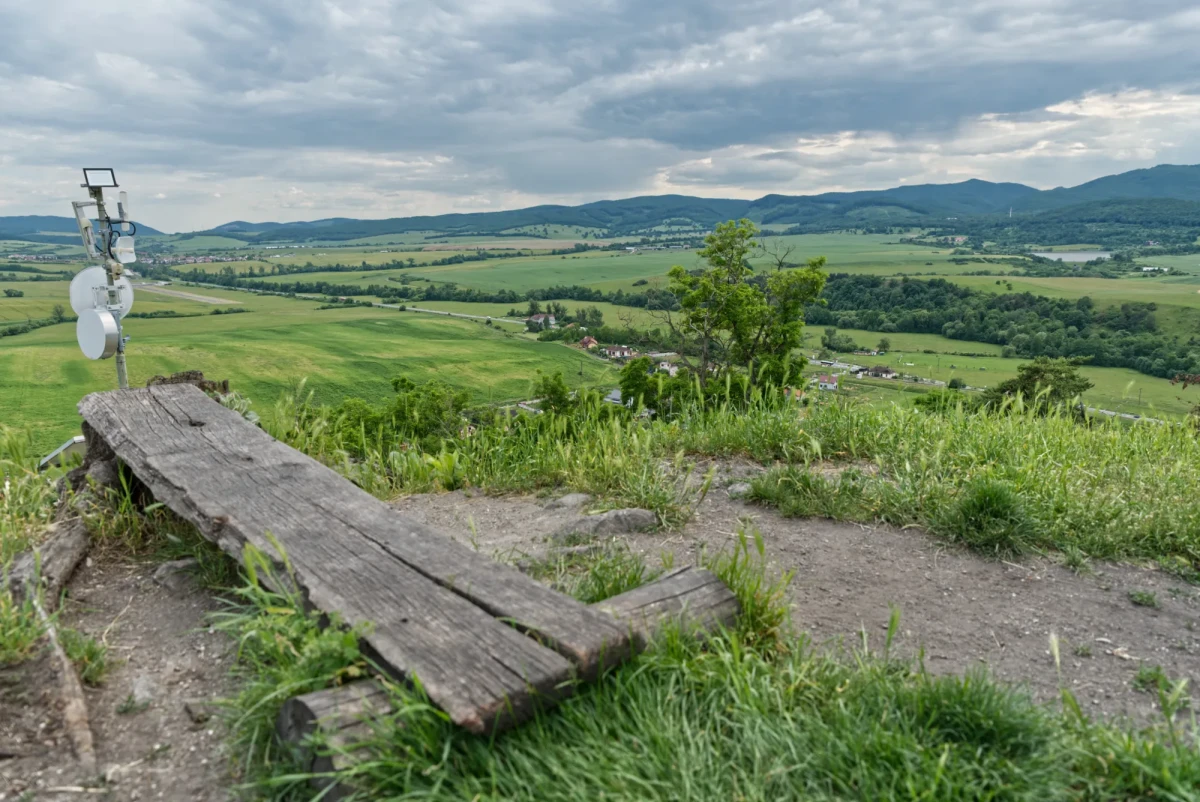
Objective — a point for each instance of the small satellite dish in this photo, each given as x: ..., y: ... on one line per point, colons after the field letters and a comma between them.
x: 89, y: 290
x: 97, y: 333
x: 123, y: 250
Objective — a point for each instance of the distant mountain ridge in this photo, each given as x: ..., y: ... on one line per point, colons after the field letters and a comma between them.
x: 920, y: 204
x: 914, y: 204
x: 36, y: 227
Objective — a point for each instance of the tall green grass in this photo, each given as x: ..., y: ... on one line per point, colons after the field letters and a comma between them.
x: 1000, y: 483
x: 1006, y: 483
x: 26, y: 497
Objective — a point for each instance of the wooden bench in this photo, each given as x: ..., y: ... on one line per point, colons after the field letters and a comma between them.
x: 488, y: 643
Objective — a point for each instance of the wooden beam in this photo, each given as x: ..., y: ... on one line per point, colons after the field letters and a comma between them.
x: 432, y: 606
x: 692, y: 598
x: 49, y: 565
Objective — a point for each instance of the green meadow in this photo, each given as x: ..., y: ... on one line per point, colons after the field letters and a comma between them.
x: 356, y: 351
x: 1118, y: 389
x: 40, y: 298
x: 341, y: 352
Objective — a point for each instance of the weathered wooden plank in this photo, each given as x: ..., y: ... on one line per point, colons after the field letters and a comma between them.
x: 589, y: 639
x: 239, y: 486
x: 692, y: 598
x: 50, y: 564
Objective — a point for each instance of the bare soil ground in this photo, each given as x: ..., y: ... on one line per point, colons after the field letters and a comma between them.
x: 964, y: 612
x: 158, y: 642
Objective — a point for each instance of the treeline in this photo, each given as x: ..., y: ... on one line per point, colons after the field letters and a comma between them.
x: 1112, y: 223
x: 1025, y: 325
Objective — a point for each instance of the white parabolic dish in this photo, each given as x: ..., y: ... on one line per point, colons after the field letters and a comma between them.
x: 84, y: 294
x: 97, y: 333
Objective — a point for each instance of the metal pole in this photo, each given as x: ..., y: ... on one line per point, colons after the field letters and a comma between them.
x: 112, y: 269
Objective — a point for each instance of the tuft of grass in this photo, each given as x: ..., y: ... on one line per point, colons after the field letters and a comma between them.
x: 761, y: 595
x: 1150, y: 678
x: 1082, y: 650
x: 591, y: 576
x: 1074, y: 558
x: 131, y: 706
x: 1144, y: 598
x: 89, y: 656
x: 283, y: 650
x: 27, y: 497
x: 987, y: 516
x: 21, y: 629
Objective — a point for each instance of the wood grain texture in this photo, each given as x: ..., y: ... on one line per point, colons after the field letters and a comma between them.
x: 351, y: 554
x: 692, y: 598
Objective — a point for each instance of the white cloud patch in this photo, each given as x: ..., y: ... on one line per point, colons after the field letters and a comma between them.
x: 377, y: 108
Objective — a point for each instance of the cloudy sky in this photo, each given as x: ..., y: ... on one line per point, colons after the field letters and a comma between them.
x: 214, y: 110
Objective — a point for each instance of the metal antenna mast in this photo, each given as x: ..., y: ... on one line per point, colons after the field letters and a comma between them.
x: 101, y: 295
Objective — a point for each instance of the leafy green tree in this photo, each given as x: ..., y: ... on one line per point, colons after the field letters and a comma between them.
x: 590, y: 317
x: 884, y: 344
x: 534, y: 308
x: 956, y: 383
x: 11, y: 293
x: 638, y: 384
x: 58, y: 314
x: 833, y: 341
x: 729, y: 319
x: 425, y: 414
x: 1044, y: 384
x: 554, y: 393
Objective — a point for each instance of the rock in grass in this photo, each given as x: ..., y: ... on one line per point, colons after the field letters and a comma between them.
x: 175, y: 576
x: 197, y: 710
x: 613, y: 522
x: 571, y: 501
x: 738, y: 489
x: 144, y: 690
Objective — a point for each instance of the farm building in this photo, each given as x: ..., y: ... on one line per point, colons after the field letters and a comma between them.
x: 827, y: 382
x: 668, y: 368
x: 882, y: 372
x: 540, y: 321
x: 619, y: 352
x: 588, y: 342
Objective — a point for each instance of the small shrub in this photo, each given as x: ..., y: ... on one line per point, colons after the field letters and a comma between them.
x: 1144, y: 598
x: 89, y: 656
x: 989, y: 517
x: 1150, y: 678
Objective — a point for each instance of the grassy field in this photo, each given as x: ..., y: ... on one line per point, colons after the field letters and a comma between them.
x: 1118, y: 389
x: 41, y: 297
x: 342, y: 352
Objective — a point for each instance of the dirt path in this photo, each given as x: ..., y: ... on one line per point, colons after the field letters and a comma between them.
x: 160, y: 650
x: 963, y: 611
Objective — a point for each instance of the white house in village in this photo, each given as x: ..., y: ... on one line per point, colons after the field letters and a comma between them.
x: 827, y: 382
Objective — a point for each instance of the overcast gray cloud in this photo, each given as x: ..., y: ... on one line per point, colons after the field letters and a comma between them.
x: 215, y: 110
